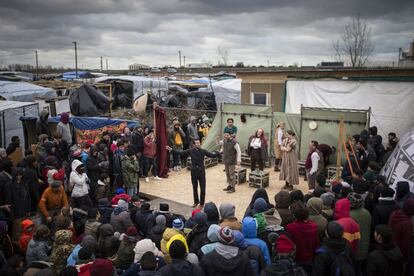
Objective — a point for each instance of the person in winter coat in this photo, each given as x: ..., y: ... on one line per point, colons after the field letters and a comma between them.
x: 92, y: 224
x: 363, y: 218
x: 402, y: 227
x: 146, y: 245
x: 87, y: 242
x: 385, y: 206
x: 178, y: 227
x: 17, y: 195
x: 304, y: 234
x: 149, y: 265
x: 328, y: 200
x: 144, y: 219
x: 66, y: 129
x: 282, y: 201
x: 62, y: 248
x: 125, y: 255
x: 226, y: 259
x: 105, y: 210
x: 228, y: 216
x: 333, y: 245
x: 79, y: 181
x: 150, y: 156
x: 32, y: 182
x: 250, y: 235
x: 212, y: 213
x: 42, y: 126
x: 157, y: 230
x: 176, y: 138
x: 212, y: 236
x: 130, y: 171
x: 93, y: 170
x: 106, y: 231
x: 38, y: 248
x: 315, y: 214
x: 259, y: 193
x: 120, y: 217
x: 102, y: 187
x: 402, y: 193
x: 387, y: 258
x: 53, y: 200
x: 28, y: 229
x: 198, y: 236
x: 350, y: 226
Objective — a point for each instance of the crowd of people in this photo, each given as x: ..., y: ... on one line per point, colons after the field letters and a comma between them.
x: 70, y: 209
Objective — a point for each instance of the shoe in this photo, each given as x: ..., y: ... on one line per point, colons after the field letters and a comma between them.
x: 286, y: 187
x: 200, y: 207
x: 227, y: 188
x: 157, y: 178
x: 231, y: 190
x: 146, y: 179
x: 194, y: 205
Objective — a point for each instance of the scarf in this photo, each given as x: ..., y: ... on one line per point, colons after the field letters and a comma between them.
x: 227, y: 251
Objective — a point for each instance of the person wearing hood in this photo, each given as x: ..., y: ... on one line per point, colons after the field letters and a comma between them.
x: 260, y: 207
x: 125, y: 255
x: 228, y: 216
x: 212, y: 236
x: 212, y: 213
x: 130, y: 171
x: 42, y: 126
x: 226, y: 259
x: 62, y: 248
x: 259, y: 193
x: 282, y: 201
x: 92, y: 224
x: 149, y: 265
x: 66, y: 129
x: 106, y: 231
x: 179, y: 266
x: 120, y: 217
x: 385, y: 206
x: 387, y: 258
x: 92, y: 169
x: 28, y: 230
x: 250, y: 234
x: 328, y: 200
x: 89, y: 242
x: 304, y: 234
x: 315, y: 214
x: 402, y: 193
x: 38, y: 248
x: 363, y: 218
x: 350, y: 226
x: 13, y: 146
x: 402, y: 227
x: 80, y: 188
x: 32, y: 181
x: 192, y: 132
x: 177, y: 228
x: 198, y: 236
x: 157, y: 230
x: 144, y: 219
x: 105, y: 210
x: 333, y: 244
x: 102, y: 187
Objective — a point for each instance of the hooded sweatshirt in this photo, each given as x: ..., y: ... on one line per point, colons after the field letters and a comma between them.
x: 250, y: 235
x: 305, y: 236
x: 283, y: 200
x: 212, y: 213
x: 351, y: 228
x: 228, y: 218
x: 402, y: 227
x: 78, y: 181
x: 212, y: 235
x: 315, y: 205
x: 28, y: 231
x: 37, y: 250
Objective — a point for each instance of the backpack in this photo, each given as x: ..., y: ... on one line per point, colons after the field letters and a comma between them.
x: 342, y: 264
x: 283, y: 267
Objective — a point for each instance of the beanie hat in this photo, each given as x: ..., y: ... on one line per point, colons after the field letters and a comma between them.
x: 101, y: 267
x: 200, y: 218
x: 85, y: 254
x: 160, y: 220
x: 334, y: 230
x: 144, y: 246
x: 356, y: 200
x: 260, y: 205
x: 226, y: 235
x: 164, y: 207
x: 178, y: 224
x: 284, y: 244
x: 177, y: 249
x: 328, y: 199
x: 387, y: 192
x: 123, y: 204
x: 337, y: 188
x: 120, y: 191
x: 318, y: 191
x: 132, y: 231
x: 261, y: 222
x: 179, y: 237
x: 56, y: 183
x: 227, y: 210
x: 195, y: 212
x: 134, y: 198
x: 64, y: 117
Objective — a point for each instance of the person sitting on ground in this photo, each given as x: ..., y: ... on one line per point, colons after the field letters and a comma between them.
x: 125, y: 255
x: 228, y: 216
x: 250, y: 234
x: 120, y: 218
x: 62, y: 248
x: 328, y: 200
x: 120, y: 193
x: 144, y: 219
x: 92, y: 224
x: 177, y: 228
x: 28, y: 230
x: 213, y: 240
x: 315, y: 214
x: 157, y: 230
x: 38, y: 248
x: 350, y: 226
x: 105, y: 210
x: 53, y: 200
x: 282, y: 201
x: 87, y: 242
x: 149, y: 265
x: 385, y: 206
x: 259, y: 193
x: 198, y: 235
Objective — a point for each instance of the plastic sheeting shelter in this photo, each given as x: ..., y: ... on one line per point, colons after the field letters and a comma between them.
x: 24, y: 91
x: 10, y: 124
x: 72, y: 75
x: 400, y: 164
x: 391, y: 102
x: 88, y: 101
x: 227, y: 91
x: 90, y: 123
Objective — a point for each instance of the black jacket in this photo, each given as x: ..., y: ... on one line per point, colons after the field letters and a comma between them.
x: 197, y: 156
x: 214, y: 264
x: 32, y: 183
x: 93, y: 169
x: 17, y: 195
x: 156, y: 233
x: 181, y: 268
x: 197, y: 238
x: 382, y: 212
x: 137, y: 142
x: 144, y: 220
x: 385, y: 260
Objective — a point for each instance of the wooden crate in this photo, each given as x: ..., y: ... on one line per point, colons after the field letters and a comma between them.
x: 301, y: 165
x: 208, y: 162
x: 245, y: 161
x: 259, y: 179
x: 241, y: 176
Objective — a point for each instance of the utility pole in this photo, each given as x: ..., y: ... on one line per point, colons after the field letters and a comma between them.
x: 268, y: 63
x: 184, y: 61
x: 76, y: 58
x: 37, y: 66
x: 107, y: 65
x: 179, y: 56
x: 101, y: 64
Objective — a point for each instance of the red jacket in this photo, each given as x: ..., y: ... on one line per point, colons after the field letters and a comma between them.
x: 351, y: 228
x: 402, y: 228
x: 115, y: 199
x: 305, y: 236
x: 28, y: 228
x: 149, y: 147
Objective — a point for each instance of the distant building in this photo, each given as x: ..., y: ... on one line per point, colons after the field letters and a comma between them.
x: 137, y: 67
x: 406, y: 59
x: 330, y: 64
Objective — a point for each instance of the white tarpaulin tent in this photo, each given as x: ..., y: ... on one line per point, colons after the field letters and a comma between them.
x: 225, y: 91
x: 24, y: 91
x: 10, y: 124
x: 391, y: 102
x: 400, y: 164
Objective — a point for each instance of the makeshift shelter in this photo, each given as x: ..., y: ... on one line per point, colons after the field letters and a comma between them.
x: 390, y: 101
x: 400, y: 164
x: 90, y: 123
x: 80, y: 75
x: 225, y: 91
x: 24, y: 91
x: 10, y: 124
x: 88, y: 101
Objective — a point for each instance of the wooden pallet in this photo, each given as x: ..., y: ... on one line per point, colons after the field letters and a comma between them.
x: 241, y: 176
x: 259, y: 179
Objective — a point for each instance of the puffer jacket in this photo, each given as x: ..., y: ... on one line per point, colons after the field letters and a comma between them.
x: 168, y: 234
x: 249, y: 227
x: 28, y: 231
x: 197, y: 238
x: 37, y: 251
x: 351, y: 228
x: 78, y: 181
x: 121, y: 220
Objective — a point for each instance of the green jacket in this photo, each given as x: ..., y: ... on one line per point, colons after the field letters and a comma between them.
x: 363, y: 218
x: 130, y: 169
x: 171, y: 138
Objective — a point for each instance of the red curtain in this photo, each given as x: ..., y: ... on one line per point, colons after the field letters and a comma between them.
x: 162, y: 142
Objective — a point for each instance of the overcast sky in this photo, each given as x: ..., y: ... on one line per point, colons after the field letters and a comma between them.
x: 151, y: 32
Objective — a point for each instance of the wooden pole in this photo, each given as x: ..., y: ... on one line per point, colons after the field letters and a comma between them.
x: 110, y: 99
x: 154, y: 106
x: 339, y: 151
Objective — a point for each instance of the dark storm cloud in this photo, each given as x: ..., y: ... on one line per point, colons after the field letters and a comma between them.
x: 127, y: 31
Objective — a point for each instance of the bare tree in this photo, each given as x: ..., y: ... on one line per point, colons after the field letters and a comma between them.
x: 223, y: 55
x: 355, y: 45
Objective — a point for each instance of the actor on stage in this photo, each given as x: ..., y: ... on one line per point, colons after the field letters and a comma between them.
x: 314, y: 164
x: 231, y: 128
x: 289, y: 170
x: 257, y: 150
x: 198, y: 171
x: 231, y: 158
x: 278, y: 144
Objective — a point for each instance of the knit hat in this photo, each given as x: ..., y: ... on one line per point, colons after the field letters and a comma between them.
x: 64, y: 117
x: 284, y: 244
x: 318, y: 191
x: 56, y: 183
x: 180, y: 238
x: 334, y: 230
x: 120, y: 191
x: 178, y: 224
x: 200, y: 218
x: 261, y: 222
x: 195, y: 212
x: 132, y: 231
x: 356, y: 200
x: 226, y: 235
x: 143, y: 246
x: 101, y: 267
x: 260, y: 205
x: 337, y: 188
x: 227, y: 210
x: 328, y: 199
x: 160, y: 220
x: 387, y: 192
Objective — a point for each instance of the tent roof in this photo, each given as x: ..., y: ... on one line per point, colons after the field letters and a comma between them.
x: 89, y: 123
x: 4, y: 105
x: 25, y: 91
x: 128, y: 78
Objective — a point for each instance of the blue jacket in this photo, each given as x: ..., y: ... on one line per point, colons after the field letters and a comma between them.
x: 71, y: 261
x: 249, y: 227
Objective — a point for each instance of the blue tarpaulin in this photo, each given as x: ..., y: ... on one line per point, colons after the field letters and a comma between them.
x: 72, y: 75
x: 90, y: 123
